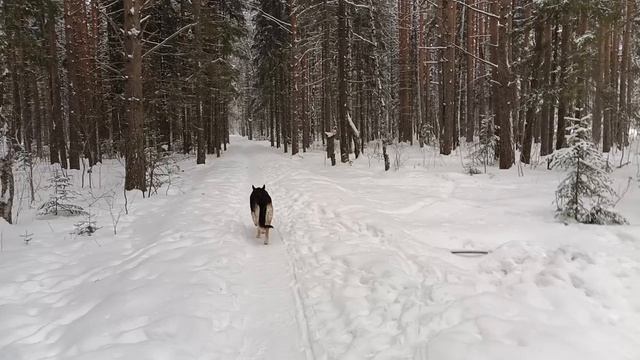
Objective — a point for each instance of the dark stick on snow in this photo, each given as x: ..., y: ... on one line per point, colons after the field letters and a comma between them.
x: 478, y: 252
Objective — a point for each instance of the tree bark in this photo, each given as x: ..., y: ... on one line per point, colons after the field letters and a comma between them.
x: 342, y: 82
x: 532, y: 104
x: 404, y: 86
x: 502, y: 88
x: 201, y: 151
x: 546, y: 115
x: 470, y: 89
x: 448, y: 75
x: 135, y: 157
x: 622, y: 130
x: 296, y: 98
x: 612, y: 102
x: 6, y: 186
x: 598, y: 75
x: 606, y: 118
x: 57, y: 143
x: 563, y: 83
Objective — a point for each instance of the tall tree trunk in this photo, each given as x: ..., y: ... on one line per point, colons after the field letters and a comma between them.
x: 17, y: 118
x: 306, y: 129
x: 271, y: 109
x: 37, y: 117
x: 630, y: 75
x: 73, y: 18
x: 296, y: 97
x: 470, y: 89
x: 201, y: 151
x: 564, y: 83
x: 342, y: 81
x: 6, y: 184
x: 547, y: 108
x: 27, y: 113
x: 532, y: 104
x: 135, y: 158
x: 599, y: 66
x: 606, y: 119
x: 622, y: 131
x: 404, y: 87
x: 448, y: 75
x: 501, y: 85
x: 613, y: 87
x: 58, y: 146
x: 326, y: 74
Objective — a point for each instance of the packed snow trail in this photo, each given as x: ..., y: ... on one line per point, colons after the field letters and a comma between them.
x: 371, y: 255
x: 184, y: 279
x: 358, y: 268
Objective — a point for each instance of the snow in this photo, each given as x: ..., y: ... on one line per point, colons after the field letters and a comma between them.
x: 356, y: 133
x: 4, y: 143
x: 359, y: 267
x: 133, y: 31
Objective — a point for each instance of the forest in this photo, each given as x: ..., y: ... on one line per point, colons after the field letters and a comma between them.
x: 85, y: 79
x: 442, y: 179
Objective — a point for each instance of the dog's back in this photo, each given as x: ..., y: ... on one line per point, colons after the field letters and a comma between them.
x: 261, y: 207
x: 261, y: 211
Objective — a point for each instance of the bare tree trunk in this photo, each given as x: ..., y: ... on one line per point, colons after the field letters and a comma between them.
x: 57, y: 143
x: 564, y: 84
x: 448, y: 76
x: 272, y: 126
x: 606, y: 124
x: 6, y: 185
x: 342, y: 82
x: 613, y: 87
x: 532, y: 106
x: 306, y: 129
x: 201, y: 151
x: 598, y: 75
x: 470, y: 89
x: 135, y: 158
x: 27, y: 113
x: 295, y: 97
x: 326, y: 74
x: 622, y: 132
x: 501, y: 86
x: 404, y: 87
x: 630, y: 79
x: 73, y: 17
x: 546, y: 113
x: 17, y: 117
x: 37, y: 117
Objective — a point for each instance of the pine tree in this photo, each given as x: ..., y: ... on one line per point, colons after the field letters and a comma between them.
x: 87, y: 226
x: 586, y: 194
x: 485, y: 152
x: 61, y: 200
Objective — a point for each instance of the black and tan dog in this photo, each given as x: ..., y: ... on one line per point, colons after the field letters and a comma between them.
x: 261, y: 211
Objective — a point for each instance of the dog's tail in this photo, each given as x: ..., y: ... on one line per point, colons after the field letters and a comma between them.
x: 262, y: 219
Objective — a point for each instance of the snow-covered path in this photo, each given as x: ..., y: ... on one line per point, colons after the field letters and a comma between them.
x: 358, y: 268
x: 184, y: 279
x: 251, y: 304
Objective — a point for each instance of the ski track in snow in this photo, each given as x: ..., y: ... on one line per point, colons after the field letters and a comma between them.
x: 193, y: 283
x: 358, y: 268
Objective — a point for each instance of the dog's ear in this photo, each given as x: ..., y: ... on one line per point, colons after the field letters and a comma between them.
x: 253, y: 187
x: 263, y: 186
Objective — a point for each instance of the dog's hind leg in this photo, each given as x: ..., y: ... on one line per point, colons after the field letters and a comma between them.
x: 266, y: 236
x: 257, y: 233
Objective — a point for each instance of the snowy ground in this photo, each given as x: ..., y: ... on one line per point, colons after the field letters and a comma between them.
x: 358, y: 268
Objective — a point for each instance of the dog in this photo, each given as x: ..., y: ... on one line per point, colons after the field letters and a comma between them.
x: 261, y: 211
